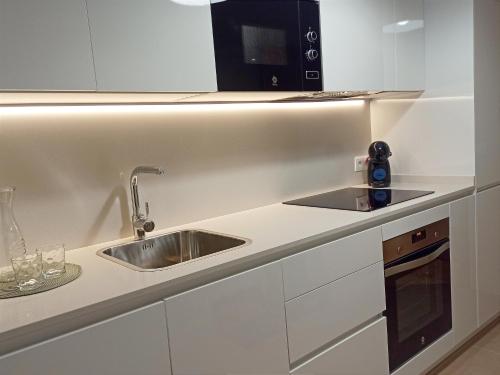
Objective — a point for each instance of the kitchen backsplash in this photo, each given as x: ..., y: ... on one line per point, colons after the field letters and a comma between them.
x: 71, y: 164
x: 429, y: 136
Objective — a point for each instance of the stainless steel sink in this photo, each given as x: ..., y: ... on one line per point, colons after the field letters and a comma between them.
x: 173, y: 248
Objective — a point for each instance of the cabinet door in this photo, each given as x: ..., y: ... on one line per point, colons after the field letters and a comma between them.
x: 357, y: 52
x: 45, y: 45
x: 152, y: 45
x: 233, y: 326
x: 486, y: 93
x: 373, y: 44
x: 463, y: 267
x: 409, y: 45
x: 130, y: 344
x: 488, y: 254
x: 362, y: 353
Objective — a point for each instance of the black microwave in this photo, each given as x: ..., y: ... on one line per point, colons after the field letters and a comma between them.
x: 267, y: 45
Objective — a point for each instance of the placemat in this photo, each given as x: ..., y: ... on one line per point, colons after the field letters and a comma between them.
x: 10, y: 290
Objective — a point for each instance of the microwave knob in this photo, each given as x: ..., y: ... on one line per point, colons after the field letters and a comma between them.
x: 312, y: 36
x: 312, y: 54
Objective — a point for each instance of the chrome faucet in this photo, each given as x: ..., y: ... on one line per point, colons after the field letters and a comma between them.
x: 140, y: 222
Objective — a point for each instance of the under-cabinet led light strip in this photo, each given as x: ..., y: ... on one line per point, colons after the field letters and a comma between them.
x: 171, y: 108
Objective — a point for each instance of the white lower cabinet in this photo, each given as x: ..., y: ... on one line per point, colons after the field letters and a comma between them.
x: 488, y: 254
x: 317, y: 318
x: 362, y: 353
x: 329, y: 324
x: 323, y: 264
x: 130, y: 344
x: 232, y: 326
x: 463, y: 268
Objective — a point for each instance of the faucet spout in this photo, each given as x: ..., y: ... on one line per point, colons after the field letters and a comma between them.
x: 140, y: 222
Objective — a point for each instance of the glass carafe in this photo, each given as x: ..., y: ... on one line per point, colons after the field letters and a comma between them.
x: 11, y: 239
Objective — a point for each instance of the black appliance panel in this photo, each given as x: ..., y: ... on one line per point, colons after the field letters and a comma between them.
x: 418, y: 303
x: 267, y: 45
x: 359, y: 199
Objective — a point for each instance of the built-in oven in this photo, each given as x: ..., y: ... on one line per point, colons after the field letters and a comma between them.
x: 418, y: 290
x: 267, y: 45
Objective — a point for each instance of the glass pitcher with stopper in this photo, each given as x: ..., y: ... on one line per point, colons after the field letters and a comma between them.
x: 11, y: 239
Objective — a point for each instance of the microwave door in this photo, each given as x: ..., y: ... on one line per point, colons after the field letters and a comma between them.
x: 257, y: 45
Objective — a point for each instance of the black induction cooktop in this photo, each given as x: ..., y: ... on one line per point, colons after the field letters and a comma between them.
x: 359, y: 199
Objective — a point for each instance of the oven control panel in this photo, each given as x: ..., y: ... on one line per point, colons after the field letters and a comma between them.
x: 419, y: 236
x: 410, y: 242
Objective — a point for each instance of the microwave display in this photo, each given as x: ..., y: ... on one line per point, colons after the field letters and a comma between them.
x: 263, y: 45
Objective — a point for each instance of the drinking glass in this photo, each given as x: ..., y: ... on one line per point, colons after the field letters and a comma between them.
x: 11, y: 239
x: 28, y: 270
x: 53, y: 260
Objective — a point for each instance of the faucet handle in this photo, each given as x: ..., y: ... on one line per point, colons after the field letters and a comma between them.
x: 148, y: 225
x: 147, y: 209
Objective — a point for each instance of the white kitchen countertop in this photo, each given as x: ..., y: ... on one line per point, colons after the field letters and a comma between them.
x: 106, y: 288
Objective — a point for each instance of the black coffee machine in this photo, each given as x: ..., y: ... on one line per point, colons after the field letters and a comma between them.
x: 379, y: 169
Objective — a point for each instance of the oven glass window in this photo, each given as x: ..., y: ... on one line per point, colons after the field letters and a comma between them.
x: 420, y: 299
x: 264, y: 46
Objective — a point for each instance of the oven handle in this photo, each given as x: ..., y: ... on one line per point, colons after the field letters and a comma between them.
x: 417, y: 262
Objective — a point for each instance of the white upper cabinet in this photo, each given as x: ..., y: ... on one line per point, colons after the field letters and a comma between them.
x: 372, y: 44
x: 45, y: 45
x: 168, y: 46
x: 152, y: 45
x: 356, y: 51
x: 409, y: 45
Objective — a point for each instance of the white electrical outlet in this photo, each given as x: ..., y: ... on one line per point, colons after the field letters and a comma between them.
x: 360, y: 163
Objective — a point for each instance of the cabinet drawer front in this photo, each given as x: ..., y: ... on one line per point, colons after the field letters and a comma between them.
x: 319, y: 317
x: 362, y: 353
x: 398, y: 227
x: 326, y: 263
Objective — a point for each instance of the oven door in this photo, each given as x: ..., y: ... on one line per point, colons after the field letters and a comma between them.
x: 418, y: 298
x: 258, y: 45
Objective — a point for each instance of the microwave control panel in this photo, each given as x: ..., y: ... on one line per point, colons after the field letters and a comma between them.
x: 312, y: 77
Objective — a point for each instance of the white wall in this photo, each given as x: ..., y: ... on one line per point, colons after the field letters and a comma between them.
x: 71, y: 164
x: 434, y: 135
